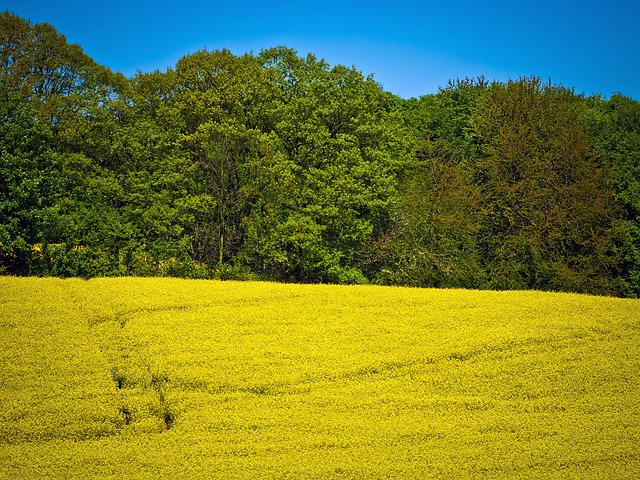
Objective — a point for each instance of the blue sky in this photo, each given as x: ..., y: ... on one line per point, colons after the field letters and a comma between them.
x: 412, y: 48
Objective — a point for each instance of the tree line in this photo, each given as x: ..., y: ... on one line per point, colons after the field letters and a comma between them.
x: 281, y: 167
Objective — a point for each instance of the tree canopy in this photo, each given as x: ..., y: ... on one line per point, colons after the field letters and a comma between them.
x: 282, y: 167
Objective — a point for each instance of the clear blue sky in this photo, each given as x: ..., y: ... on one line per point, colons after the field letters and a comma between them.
x: 412, y: 48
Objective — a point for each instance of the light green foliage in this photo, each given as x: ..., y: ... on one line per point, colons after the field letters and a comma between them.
x: 614, y: 128
x: 202, y: 379
x: 62, y: 83
x: 346, y: 145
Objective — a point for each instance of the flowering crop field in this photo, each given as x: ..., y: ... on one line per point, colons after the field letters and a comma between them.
x: 168, y: 378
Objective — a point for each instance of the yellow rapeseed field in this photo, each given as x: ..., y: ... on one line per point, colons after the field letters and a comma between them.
x: 167, y: 378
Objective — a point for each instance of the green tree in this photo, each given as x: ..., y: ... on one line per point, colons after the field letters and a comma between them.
x: 68, y: 92
x: 614, y: 127
x: 432, y: 242
x: 433, y: 238
x: 57, y: 78
x: 27, y: 185
x: 547, y: 210
x: 339, y: 147
x: 217, y: 105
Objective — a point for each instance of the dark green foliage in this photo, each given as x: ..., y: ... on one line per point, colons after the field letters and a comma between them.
x: 282, y: 167
x: 506, y: 192
x: 433, y: 239
x: 547, y: 214
x: 27, y: 184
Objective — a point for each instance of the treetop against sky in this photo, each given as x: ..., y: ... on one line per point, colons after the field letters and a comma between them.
x: 412, y: 48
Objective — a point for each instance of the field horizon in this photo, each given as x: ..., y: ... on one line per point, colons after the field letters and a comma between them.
x: 160, y: 377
